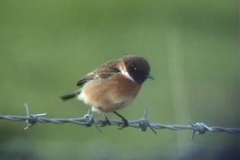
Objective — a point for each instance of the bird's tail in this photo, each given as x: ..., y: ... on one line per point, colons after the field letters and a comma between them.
x: 69, y: 96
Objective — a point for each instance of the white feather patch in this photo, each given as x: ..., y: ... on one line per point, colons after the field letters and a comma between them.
x: 126, y: 74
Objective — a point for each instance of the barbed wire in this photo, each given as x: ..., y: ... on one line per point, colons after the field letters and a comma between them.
x: 143, y: 124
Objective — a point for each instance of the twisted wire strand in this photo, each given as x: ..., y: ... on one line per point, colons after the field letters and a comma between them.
x: 143, y: 124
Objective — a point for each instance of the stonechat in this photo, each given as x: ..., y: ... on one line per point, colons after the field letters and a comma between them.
x: 113, y: 86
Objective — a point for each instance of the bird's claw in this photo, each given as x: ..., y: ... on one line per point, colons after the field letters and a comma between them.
x: 105, y: 122
x: 123, y: 124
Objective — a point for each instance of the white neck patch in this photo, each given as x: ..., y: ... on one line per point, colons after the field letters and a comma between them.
x: 126, y: 74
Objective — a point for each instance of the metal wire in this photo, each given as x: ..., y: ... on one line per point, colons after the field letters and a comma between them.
x: 143, y: 124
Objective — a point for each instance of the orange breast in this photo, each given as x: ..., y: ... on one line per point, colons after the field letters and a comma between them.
x: 110, y: 94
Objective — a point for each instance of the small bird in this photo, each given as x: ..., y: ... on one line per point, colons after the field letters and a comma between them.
x: 113, y: 86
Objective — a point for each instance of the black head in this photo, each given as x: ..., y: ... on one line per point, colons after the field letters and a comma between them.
x: 138, y: 68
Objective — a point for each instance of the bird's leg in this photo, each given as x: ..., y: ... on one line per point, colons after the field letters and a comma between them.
x: 105, y: 121
x: 124, y: 121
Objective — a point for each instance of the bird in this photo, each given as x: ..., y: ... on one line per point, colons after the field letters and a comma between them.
x: 112, y: 86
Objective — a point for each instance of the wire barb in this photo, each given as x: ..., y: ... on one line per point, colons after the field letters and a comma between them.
x: 143, y: 123
x: 31, y: 120
x: 90, y: 120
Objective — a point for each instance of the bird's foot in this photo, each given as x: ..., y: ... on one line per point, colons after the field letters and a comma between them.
x: 123, y: 124
x: 105, y: 122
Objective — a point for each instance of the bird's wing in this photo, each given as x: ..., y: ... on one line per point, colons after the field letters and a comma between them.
x: 105, y: 71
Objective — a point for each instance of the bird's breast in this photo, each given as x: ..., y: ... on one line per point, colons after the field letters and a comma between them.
x: 109, y: 94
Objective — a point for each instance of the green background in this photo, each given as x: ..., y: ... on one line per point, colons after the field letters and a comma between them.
x: 192, y: 46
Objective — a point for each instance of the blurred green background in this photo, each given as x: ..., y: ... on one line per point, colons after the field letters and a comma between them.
x: 192, y: 46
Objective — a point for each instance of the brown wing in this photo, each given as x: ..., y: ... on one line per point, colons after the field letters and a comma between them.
x: 85, y: 79
x: 105, y: 71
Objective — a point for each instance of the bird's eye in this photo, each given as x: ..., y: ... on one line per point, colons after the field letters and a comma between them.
x: 134, y: 68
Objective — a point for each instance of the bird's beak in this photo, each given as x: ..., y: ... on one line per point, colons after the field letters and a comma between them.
x: 150, y: 77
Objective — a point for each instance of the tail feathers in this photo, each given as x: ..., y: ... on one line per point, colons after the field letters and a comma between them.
x: 69, y: 96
